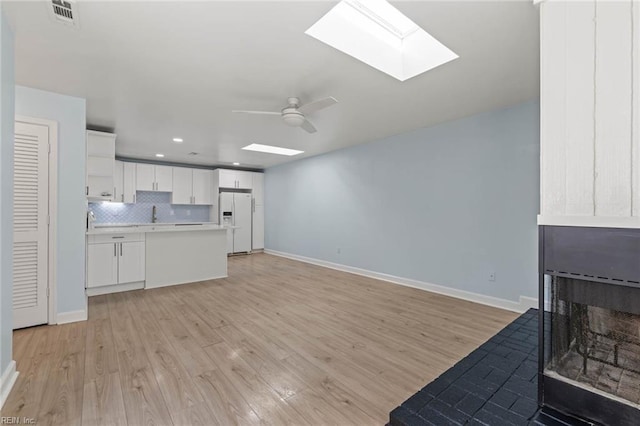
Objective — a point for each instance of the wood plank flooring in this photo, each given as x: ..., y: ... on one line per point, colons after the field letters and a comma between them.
x: 278, y: 342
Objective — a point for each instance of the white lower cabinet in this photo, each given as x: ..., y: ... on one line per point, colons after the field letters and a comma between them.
x: 131, y: 262
x: 102, y: 264
x: 115, y: 259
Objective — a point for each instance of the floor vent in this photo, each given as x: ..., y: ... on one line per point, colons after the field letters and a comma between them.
x: 64, y: 11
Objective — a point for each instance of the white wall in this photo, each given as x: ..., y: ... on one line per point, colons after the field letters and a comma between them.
x: 70, y: 113
x: 6, y: 201
x: 445, y: 205
x: 590, y: 112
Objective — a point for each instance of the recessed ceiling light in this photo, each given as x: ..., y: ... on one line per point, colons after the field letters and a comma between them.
x: 378, y: 34
x: 178, y: 140
x: 159, y: 155
x: 236, y: 164
x: 272, y: 149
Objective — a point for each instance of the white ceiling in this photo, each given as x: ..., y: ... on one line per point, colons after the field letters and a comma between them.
x: 152, y: 71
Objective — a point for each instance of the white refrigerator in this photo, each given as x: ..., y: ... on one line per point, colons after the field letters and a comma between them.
x: 235, y: 213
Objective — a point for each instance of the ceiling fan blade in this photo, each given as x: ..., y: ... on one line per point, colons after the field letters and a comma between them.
x: 257, y: 112
x: 314, y: 106
x: 310, y: 128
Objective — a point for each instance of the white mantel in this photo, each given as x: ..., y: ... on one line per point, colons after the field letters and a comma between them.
x: 590, y: 113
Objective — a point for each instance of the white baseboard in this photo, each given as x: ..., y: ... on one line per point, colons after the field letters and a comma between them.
x: 7, y: 380
x: 521, y: 306
x: 73, y: 316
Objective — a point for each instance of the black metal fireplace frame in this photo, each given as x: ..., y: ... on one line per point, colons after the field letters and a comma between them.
x: 610, y: 256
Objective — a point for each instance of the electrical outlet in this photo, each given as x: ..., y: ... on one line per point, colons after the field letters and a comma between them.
x: 188, y: 212
x: 172, y: 213
x: 492, y: 276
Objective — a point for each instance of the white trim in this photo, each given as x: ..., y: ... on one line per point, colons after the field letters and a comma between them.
x: 7, y: 380
x: 521, y: 306
x: 117, y: 288
x: 53, y: 210
x: 72, y: 316
x: 592, y: 221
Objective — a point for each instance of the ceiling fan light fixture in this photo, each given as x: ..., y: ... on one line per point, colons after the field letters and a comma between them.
x: 378, y: 34
x: 293, y: 119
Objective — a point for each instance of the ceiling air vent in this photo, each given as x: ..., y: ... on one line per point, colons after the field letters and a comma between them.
x: 65, y: 11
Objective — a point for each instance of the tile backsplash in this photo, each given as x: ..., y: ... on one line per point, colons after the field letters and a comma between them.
x: 140, y: 212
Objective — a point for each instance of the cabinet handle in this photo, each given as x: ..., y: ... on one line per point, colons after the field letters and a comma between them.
x: 115, y: 253
x: 122, y: 196
x: 120, y: 249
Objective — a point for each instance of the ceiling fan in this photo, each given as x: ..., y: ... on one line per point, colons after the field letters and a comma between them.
x: 294, y: 114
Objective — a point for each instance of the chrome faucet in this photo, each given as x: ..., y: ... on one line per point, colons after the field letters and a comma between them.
x: 154, y: 215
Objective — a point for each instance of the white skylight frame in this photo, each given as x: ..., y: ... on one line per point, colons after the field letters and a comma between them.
x: 378, y: 34
x: 272, y: 149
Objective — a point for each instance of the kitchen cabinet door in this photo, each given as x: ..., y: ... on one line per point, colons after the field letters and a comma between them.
x: 182, y: 186
x: 145, y: 177
x: 244, y: 179
x: 227, y: 178
x: 257, y: 234
x: 118, y: 182
x: 129, y: 183
x: 164, y: 178
x: 202, y: 187
x: 131, y: 262
x: 102, y: 264
x: 257, y: 188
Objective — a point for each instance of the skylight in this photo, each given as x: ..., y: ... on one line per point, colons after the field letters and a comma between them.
x: 272, y: 149
x: 378, y: 34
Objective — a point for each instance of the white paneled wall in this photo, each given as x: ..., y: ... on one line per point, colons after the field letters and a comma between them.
x: 590, y: 111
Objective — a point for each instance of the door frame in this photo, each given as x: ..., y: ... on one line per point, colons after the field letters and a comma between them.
x: 52, y: 202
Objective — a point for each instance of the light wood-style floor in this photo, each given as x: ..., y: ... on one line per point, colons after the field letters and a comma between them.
x: 278, y: 342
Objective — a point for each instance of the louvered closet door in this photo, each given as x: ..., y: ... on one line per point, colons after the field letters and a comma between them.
x: 30, y: 232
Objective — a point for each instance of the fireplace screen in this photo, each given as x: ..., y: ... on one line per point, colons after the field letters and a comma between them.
x: 595, y: 338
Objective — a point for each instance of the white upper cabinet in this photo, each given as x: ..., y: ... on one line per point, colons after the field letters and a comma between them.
x: 101, y: 154
x: 257, y: 188
x: 233, y: 179
x: 145, y: 177
x: 154, y: 178
x: 124, y: 182
x: 129, y: 183
x: 118, y: 182
x: 203, y: 187
x: 192, y: 186
x: 244, y: 179
x: 182, y: 186
x: 227, y: 178
x: 164, y: 178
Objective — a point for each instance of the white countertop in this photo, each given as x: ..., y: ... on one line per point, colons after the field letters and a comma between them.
x: 153, y: 227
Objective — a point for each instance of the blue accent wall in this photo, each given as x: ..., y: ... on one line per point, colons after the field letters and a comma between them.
x: 7, y: 94
x: 141, y: 211
x: 445, y: 205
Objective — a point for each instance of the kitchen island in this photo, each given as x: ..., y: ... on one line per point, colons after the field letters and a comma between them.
x: 121, y: 258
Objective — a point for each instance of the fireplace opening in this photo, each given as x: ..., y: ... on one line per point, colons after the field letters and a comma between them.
x: 589, y: 327
x: 595, y: 344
